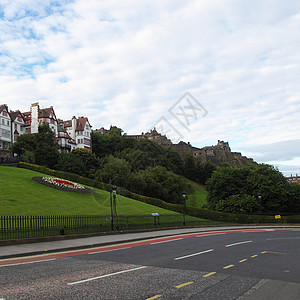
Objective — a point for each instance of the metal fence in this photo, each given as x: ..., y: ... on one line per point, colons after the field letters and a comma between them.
x: 37, y: 226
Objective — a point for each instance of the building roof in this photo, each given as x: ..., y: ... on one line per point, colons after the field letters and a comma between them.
x: 43, y: 113
x: 68, y: 123
x: 15, y: 114
x: 80, y: 123
x: 2, y: 107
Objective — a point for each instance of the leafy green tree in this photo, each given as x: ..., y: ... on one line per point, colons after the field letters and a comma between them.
x: 28, y: 157
x: 293, y: 204
x: 138, y: 159
x: 115, y: 170
x: 42, y: 145
x: 209, y: 168
x: 115, y: 130
x: 46, y: 153
x: 204, y: 171
x: 239, y: 204
x: 267, y: 181
x: 25, y: 142
x: 189, y: 170
x: 225, y: 182
x: 163, y: 184
x: 79, y: 161
x: 71, y: 163
x: 46, y: 156
x: 89, y: 159
x: 263, y: 180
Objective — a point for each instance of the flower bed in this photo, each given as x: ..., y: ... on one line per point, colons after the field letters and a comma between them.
x: 63, y: 185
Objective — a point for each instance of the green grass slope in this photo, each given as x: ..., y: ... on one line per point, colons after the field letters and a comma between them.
x: 198, y: 198
x: 20, y: 195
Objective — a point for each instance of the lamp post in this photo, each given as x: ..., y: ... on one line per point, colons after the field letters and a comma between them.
x: 184, y: 206
x: 112, y: 191
x: 260, y: 203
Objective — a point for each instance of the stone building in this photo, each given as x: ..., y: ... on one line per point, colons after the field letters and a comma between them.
x: 217, y: 154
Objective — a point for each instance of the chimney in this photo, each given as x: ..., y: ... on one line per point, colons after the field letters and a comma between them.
x: 74, y: 123
x: 34, y: 117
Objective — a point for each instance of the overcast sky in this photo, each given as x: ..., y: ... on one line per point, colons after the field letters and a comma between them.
x: 200, y: 71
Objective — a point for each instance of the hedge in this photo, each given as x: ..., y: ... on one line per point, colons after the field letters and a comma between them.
x: 196, y: 212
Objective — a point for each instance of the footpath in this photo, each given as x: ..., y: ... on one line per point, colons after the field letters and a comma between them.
x: 25, y: 248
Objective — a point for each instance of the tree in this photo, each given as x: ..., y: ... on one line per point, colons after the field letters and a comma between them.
x: 46, y: 153
x: 204, y: 171
x: 114, y: 130
x: 261, y: 179
x: 267, y: 181
x: 71, y: 163
x: 238, y: 204
x: 42, y: 146
x: 25, y: 142
x: 225, y: 182
x: 293, y: 203
x: 116, y: 170
x: 189, y: 170
x: 163, y: 184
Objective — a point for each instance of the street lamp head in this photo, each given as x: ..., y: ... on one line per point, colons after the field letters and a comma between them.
x: 184, y: 194
x: 114, y: 189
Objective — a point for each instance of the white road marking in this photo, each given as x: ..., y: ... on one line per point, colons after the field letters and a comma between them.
x: 28, y: 262
x: 165, y: 241
x: 194, y: 254
x: 239, y: 243
x: 106, y: 275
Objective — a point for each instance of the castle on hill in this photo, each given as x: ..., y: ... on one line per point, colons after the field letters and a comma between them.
x: 217, y: 154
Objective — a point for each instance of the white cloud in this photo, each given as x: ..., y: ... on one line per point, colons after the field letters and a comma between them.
x: 127, y: 62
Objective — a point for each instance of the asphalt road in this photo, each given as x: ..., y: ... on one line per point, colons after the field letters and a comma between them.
x: 226, y: 265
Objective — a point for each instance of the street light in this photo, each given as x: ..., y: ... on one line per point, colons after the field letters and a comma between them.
x: 184, y: 206
x: 259, y: 199
x: 113, y: 191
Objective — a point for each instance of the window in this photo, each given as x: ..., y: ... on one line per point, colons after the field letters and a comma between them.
x: 8, y: 123
x: 2, y: 121
x: 5, y: 133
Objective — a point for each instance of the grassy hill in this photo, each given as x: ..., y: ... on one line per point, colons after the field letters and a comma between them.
x: 20, y: 195
x: 198, y: 198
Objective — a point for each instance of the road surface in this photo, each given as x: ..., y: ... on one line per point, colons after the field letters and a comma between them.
x: 239, y: 264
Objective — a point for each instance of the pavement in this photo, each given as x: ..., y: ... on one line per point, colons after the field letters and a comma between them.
x: 19, y: 250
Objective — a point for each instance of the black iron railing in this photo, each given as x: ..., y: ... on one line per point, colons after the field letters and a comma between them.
x: 37, y: 226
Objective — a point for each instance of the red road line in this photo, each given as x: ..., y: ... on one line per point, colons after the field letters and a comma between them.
x: 127, y: 245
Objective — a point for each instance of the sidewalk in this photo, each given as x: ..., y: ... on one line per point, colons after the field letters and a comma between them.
x: 102, y: 240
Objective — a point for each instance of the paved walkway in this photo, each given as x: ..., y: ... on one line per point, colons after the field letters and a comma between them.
x: 69, y: 244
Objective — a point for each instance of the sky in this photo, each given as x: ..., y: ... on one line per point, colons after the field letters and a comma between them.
x: 199, y: 71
